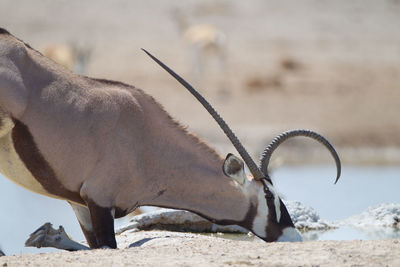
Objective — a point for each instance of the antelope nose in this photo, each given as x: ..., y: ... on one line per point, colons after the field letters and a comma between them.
x: 290, y: 234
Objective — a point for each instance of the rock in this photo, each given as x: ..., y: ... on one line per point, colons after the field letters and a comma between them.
x: 304, y: 218
x: 383, y: 215
x: 176, y: 220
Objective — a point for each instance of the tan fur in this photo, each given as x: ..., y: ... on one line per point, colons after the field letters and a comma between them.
x: 11, y: 166
x: 115, y: 145
x: 108, y: 148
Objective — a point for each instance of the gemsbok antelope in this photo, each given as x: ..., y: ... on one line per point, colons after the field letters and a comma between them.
x: 108, y: 148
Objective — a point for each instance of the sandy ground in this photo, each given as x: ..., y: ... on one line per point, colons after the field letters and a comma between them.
x: 331, y: 66
x: 172, y: 249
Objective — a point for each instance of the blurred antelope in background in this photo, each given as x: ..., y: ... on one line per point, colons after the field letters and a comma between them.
x: 73, y: 57
x: 205, y: 42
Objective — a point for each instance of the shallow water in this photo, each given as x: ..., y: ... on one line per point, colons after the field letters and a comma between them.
x: 341, y: 233
x: 353, y: 233
x: 360, y: 187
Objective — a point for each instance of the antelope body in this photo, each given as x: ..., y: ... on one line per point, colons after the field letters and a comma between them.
x: 108, y: 148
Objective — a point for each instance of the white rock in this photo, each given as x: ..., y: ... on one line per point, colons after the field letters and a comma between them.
x: 179, y: 220
x: 384, y: 215
x: 176, y: 220
x: 306, y: 218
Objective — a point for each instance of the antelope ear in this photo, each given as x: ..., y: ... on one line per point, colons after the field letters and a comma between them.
x: 234, y: 168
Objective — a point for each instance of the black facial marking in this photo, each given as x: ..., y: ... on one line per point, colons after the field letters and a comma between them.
x: 247, y: 222
x: 3, y: 31
x: 249, y: 219
x: 286, y: 221
x: 38, y: 166
x: 274, y: 229
x: 268, y: 194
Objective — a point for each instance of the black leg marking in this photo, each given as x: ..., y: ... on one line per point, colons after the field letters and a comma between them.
x: 90, y: 237
x: 103, y: 225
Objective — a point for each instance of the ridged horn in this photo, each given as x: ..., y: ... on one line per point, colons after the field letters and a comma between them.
x: 266, y: 155
x: 256, y: 172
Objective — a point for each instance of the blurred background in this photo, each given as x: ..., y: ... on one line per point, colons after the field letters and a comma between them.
x: 266, y: 66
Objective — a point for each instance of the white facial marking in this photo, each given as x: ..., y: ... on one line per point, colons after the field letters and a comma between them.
x: 277, y: 203
x: 290, y: 234
x: 261, y: 220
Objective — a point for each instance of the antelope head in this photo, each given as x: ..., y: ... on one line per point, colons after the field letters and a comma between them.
x: 268, y: 217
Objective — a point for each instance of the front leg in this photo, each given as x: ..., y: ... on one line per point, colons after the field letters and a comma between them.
x: 83, y: 215
x: 103, y: 225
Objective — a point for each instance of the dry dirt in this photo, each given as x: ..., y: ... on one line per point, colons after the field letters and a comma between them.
x: 171, y: 249
x: 331, y: 66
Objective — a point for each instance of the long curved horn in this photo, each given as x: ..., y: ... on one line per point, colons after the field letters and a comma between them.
x: 256, y: 172
x: 266, y: 155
